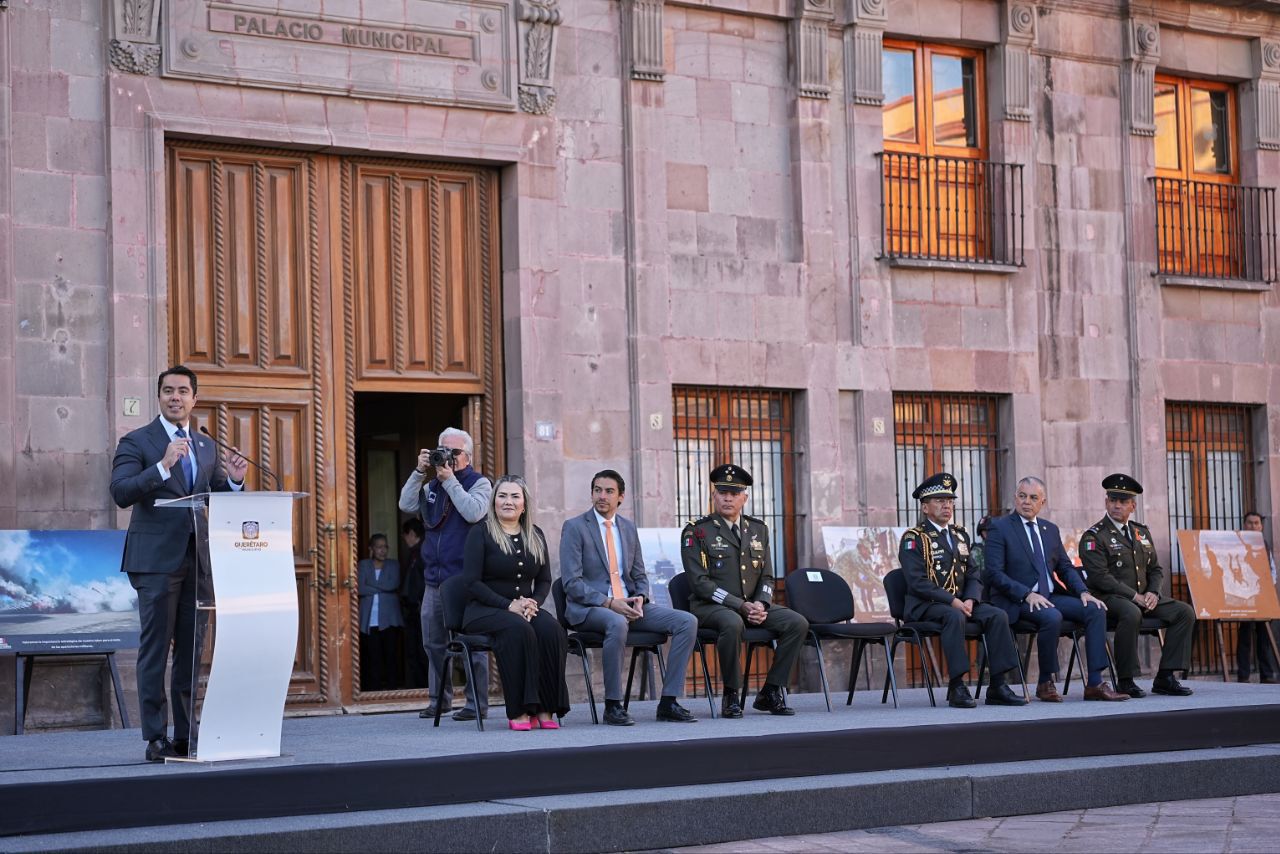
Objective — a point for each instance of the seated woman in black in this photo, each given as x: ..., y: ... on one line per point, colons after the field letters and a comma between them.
x: 508, y: 572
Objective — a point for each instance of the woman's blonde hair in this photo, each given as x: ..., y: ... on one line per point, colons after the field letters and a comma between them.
x: 537, y: 547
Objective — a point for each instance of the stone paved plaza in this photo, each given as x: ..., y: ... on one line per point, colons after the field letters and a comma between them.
x: 1243, y: 824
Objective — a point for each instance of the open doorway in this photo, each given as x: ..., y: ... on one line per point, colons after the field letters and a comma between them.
x: 391, y: 428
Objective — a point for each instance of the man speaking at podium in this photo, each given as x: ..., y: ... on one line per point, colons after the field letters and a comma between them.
x: 164, y: 553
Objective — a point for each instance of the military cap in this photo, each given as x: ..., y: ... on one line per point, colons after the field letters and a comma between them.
x: 940, y: 485
x: 1121, y: 486
x: 730, y: 478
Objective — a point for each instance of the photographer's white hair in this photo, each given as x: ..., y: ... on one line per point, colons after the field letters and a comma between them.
x: 467, y: 445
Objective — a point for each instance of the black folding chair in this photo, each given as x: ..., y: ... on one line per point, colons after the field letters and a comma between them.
x: 752, y: 636
x: 581, y: 641
x: 1149, y: 627
x: 895, y: 588
x: 825, y: 600
x: 453, y: 596
x: 1028, y: 630
x: 915, y: 632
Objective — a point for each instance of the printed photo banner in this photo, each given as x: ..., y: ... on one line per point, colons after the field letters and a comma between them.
x: 1230, y: 575
x: 863, y: 557
x: 63, y: 592
x: 661, y: 547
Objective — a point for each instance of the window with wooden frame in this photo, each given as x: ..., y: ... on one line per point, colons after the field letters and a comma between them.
x: 957, y: 433
x: 1207, y: 225
x: 751, y: 428
x: 941, y: 198
x: 1210, y: 462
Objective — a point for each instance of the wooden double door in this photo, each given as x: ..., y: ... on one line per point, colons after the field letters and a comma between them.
x: 297, y: 281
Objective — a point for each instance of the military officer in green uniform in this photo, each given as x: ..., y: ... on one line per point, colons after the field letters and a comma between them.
x: 1119, y: 559
x: 944, y: 586
x: 731, y: 586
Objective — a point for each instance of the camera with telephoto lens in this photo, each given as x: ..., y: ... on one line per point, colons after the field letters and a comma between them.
x: 443, y: 457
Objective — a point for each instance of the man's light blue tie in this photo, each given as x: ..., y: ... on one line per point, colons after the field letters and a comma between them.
x: 188, y: 468
x: 1046, y: 588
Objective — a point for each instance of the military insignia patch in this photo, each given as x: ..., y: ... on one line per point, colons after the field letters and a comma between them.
x: 962, y: 549
x: 911, y: 545
x: 1090, y: 546
x: 688, y: 542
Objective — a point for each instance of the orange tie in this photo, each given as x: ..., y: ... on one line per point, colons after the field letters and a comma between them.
x: 615, y: 577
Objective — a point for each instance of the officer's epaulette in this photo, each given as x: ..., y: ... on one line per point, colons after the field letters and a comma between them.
x: 1095, y: 528
x: 960, y: 529
x: 1139, y: 525
x: 752, y: 519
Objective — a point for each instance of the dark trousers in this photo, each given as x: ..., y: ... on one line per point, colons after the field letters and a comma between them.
x: 1049, y: 623
x: 995, y: 628
x: 788, y: 627
x: 168, y: 618
x: 380, y: 659
x: 1253, y: 636
x: 1126, y: 617
x: 531, y: 657
x: 415, y: 657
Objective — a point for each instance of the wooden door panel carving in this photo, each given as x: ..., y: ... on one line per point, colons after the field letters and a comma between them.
x: 417, y: 271
x: 238, y: 256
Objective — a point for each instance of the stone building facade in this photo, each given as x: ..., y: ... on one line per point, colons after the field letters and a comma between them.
x: 562, y: 216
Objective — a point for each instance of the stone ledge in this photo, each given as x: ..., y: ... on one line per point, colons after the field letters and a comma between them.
x: 690, y: 815
x: 955, y: 266
x: 1211, y: 284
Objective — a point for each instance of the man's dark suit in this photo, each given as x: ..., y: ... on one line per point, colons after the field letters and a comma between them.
x: 1012, y: 570
x: 161, y: 559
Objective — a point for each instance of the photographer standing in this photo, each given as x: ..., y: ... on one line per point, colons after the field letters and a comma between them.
x: 450, y: 504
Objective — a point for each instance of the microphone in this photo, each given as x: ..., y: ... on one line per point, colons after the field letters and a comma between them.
x: 253, y: 463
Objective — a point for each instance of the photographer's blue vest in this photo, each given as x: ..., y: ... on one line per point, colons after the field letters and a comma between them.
x: 446, y: 536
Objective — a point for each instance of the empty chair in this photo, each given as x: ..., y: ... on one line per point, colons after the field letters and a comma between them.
x: 825, y: 600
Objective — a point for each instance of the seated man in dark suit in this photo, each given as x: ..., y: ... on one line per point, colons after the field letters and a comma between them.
x: 943, y: 587
x: 165, y: 554
x: 1029, y: 575
x: 606, y: 590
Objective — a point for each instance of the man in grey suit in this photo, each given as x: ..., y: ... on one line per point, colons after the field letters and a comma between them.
x: 165, y: 549
x: 607, y: 591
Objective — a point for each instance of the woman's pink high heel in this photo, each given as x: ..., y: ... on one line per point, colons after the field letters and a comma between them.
x: 548, y: 724
x: 521, y: 726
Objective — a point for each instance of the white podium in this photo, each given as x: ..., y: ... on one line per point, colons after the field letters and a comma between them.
x: 255, y: 600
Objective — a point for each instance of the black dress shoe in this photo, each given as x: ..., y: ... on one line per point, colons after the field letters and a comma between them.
x: 465, y: 714
x: 181, y: 747
x: 429, y: 713
x: 675, y: 713
x: 1127, y: 686
x: 771, y: 700
x: 159, y: 749
x: 960, y: 698
x: 729, y: 705
x: 1170, y: 687
x: 1002, y: 695
x: 617, y: 716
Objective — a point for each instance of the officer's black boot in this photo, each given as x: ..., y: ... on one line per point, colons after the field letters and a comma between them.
x: 730, y: 707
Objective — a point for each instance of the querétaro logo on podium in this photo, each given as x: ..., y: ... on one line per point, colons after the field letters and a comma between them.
x: 249, y: 536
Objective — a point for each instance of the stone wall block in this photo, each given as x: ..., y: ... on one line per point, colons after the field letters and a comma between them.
x: 41, y: 198
x: 687, y: 187
x: 77, y: 256
x: 77, y: 47
x: 75, y: 146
